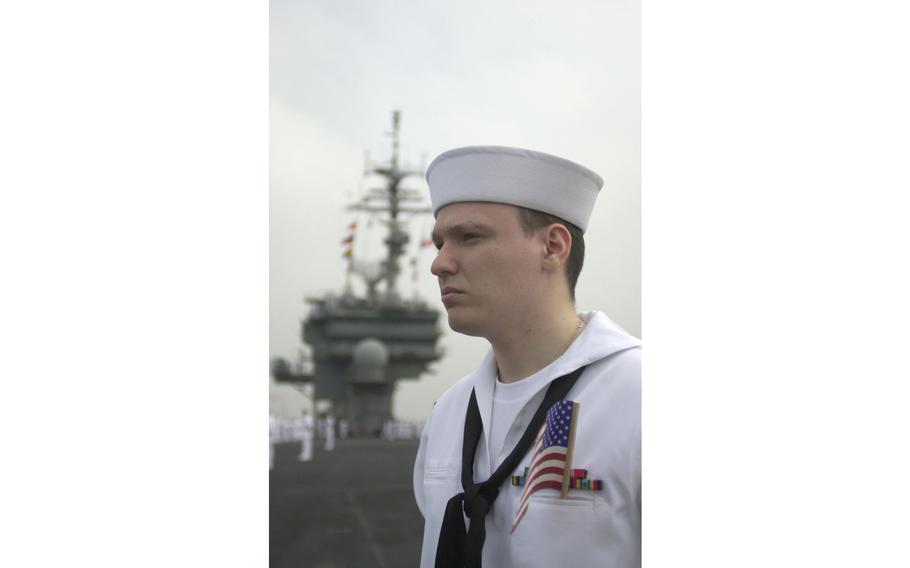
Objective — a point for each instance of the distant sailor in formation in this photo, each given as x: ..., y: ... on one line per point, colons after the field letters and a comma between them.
x: 539, y: 449
x: 303, y: 431
x: 274, y: 438
x: 329, y: 433
x: 399, y: 430
x: 388, y: 430
x: 343, y: 429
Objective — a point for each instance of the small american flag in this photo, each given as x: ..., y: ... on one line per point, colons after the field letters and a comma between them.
x: 553, y: 457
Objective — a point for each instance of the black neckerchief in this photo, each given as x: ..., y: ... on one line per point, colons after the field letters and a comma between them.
x: 455, y: 548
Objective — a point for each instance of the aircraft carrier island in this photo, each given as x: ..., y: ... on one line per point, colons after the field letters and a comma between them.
x: 362, y: 345
x: 352, y: 504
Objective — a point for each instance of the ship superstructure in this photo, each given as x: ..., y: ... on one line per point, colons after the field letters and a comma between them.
x: 362, y: 345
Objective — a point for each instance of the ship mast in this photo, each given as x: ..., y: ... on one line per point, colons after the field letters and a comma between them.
x: 395, y: 200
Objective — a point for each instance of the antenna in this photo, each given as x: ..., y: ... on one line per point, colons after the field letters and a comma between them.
x: 392, y: 199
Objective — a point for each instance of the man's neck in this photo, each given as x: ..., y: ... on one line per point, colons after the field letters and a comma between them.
x: 534, y: 343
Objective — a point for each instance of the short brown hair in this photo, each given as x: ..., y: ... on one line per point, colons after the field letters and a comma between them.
x: 532, y: 220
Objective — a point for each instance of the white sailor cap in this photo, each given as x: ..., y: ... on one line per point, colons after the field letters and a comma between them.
x: 515, y: 176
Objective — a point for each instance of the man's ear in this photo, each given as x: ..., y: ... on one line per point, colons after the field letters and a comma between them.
x: 558, y: 243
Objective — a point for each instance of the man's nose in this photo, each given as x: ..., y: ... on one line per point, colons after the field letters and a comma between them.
x: 444, y: 263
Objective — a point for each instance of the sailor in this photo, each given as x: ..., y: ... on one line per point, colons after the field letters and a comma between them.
x: 405, y: 430
x: 329, y: 433
x: 285, y: 429
x: 509, y: 234
x: 303, y: 431
x: 389, y: 431
x: 274, y: 435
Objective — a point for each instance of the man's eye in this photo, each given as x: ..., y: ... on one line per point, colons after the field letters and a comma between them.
x: 469, y: 236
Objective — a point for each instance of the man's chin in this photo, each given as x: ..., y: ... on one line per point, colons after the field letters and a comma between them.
x: 464, y: 325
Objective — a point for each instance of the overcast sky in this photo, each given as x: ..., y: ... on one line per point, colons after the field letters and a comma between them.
x: 559, y: 78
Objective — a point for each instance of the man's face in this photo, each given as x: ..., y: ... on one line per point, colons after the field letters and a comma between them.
x: 489, y: 270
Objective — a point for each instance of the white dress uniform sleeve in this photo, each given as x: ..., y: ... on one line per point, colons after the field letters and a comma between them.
x: 420, y: 465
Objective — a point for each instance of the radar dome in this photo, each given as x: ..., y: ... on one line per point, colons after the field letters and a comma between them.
x: 371, y: 352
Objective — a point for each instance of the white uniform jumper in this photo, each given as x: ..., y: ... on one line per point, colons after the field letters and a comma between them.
x: 589, y: 528
x: 304, y: 432
x: 330, y: 433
